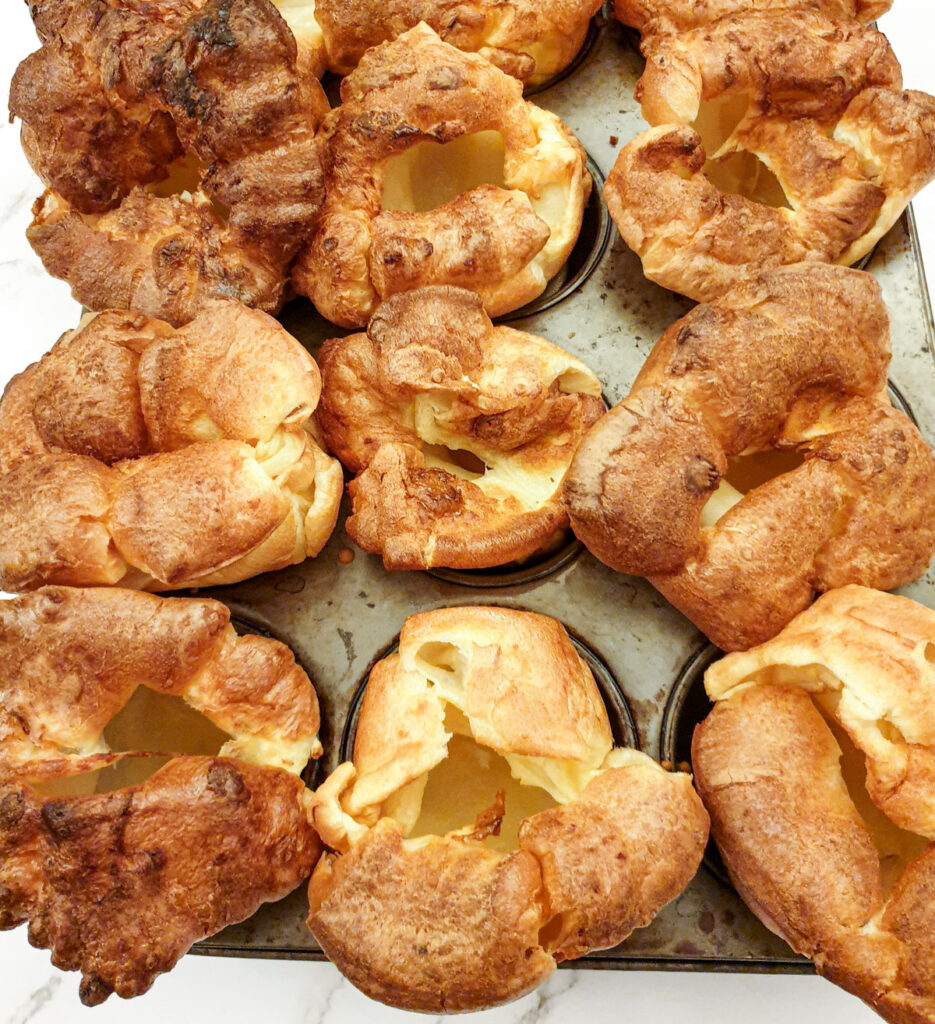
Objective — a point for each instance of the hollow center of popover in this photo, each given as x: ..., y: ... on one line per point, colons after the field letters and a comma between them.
x: 744, y: 174
x: 466, y: 783
x: 895, y: 846
x: 429, y: 174
x: 718, y: 117
x: 157, y: 721
x: 472, y: 786
x: 182, y: 175
x: 746, y: 472
x: 738, y: 173
x: 458, y: 461
x: 183, y: 178
x: 530, y: 480
x: 149, y: 721
x: 299, y: 15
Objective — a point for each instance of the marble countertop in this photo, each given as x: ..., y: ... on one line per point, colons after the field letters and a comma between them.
x: 202, y: 989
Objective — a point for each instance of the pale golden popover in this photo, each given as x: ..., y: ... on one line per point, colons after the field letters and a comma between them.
x: 459, y: 432
x: 487, y: 827
x: 437, y: 171
x: 149, y: 778
x: 656, y: 17
x: 758, y: 461
x: 778, y: 137
x: 177, y: 144
x: 817, y: 765
x: 138, y: 454
x: 529, y: 40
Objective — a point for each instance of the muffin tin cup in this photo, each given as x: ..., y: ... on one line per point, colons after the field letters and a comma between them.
x: 340, y: 614
x: 687, y: 707
x: 533, y: 568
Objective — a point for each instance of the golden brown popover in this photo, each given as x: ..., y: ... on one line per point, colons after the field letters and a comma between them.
x: 141, y: 455
x: 778, y: 137
x: 177, y: 144
x: 757, y: 459
x: 655, y: 17
x: 529, y: 40
x: 436, y: 171
x: 459, y: 432
x: 122, y: 848
x: 817, y: 765
x: 487, y: 828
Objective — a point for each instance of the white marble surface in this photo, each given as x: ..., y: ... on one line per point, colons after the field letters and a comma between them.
x: 204, y: 990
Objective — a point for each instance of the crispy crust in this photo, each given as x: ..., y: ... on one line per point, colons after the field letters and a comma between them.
x: 433, y: 373
x: 767, y: 767
x: 841, y: 212
x: 613, y: 858
x: 72, y: 658
x: 816, y: 340
x: 768, y: 753
x: 525, y: 39
x: 796, y: 63
x: 442, y: 922
x: 192, y: 464
x: 198, y: 845
x: 825, y: 114
x: 655, y: 17
x: 876, y: 653
x: 115, y: 97
x: 441, y: 926
x: 503, y: 243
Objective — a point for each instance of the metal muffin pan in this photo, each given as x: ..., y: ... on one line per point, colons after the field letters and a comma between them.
x: 340, y: 617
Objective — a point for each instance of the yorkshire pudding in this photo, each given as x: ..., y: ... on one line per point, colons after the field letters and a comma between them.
x: 119, y: 870
x: 459, y: 432
x: 528, y: 40
x: 491, y: 713
x: 437, y: 171
x: 655, y: 17
x: 779, y: 138
x: 817, y: 765
x: 177, y: 142
x: 796, y: 63
x: 156, y: 458
x: 758, y: 460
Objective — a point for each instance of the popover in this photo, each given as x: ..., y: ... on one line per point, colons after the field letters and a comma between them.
x: 487, y: 827
x: 758, y: 461
x: 154, y: 458
x: 816, y: 765
x: 121, y: 849
x: 778, y: 137
x: 459, y: 432
x: 657, y: 17
x: 177, y: 144
x: 436, y: 171
x: 528, y: 40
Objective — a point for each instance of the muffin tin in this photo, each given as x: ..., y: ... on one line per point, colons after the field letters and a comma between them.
x: 341, y: 611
